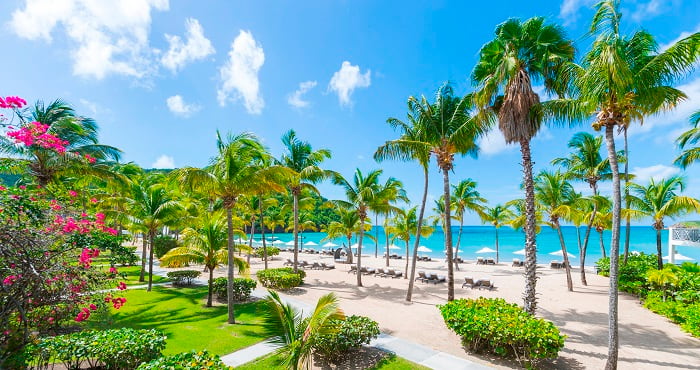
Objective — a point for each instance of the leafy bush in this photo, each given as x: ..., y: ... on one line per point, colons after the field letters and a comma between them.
x: 162, y: 244
x: 686, y: 315
x: 633, y: 274
x: 192, y: 360
x: 281, y: 278
x: 183, y: 277
x: 502, y: 328
x: 271, y: 251
x: 352, y: 333
x: 242, y: 287
x: 124, y: 256
x: 123, y: 348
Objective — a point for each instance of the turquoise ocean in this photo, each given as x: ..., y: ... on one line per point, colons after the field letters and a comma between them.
x: 642, y: 239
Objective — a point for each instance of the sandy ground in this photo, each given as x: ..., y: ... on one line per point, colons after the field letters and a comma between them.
x: 647, y: 340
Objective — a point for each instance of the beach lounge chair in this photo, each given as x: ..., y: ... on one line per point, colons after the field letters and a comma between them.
x: 393, y: 273
x: 490, y: 261
x: 484, y: 283
x: 555, y: 264
x: 468, y: 282
x: 304, y: 264
x: 316, y: 266
x: 326, y: 266
x: 421, y: 276
x: 353, y: 269
x: 289, y: 262
x: 480, y: 261
x: 433, y: 278
x: 517, y: 262
x: 458, y: 260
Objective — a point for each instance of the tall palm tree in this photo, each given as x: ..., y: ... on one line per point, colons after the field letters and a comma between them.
x: 295, y: 333
x: 46, y: 165
x: 691, y: 137
x: 392, y: 191
x: 622, y: 79
x: 466, y: 198
x: 303, y: 163
x: 204, y: 244
x: 361, y: 194
x: 585, y: 163
x: 402, y: 227
x: 522, y: 52
x: 409, y: 147
x: 553, y: 192
x: 659, y: 200
x: 347, y: 226
x: 497, y: 216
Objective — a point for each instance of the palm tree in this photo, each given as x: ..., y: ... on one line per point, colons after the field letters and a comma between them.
x: 690, y: 137
x: 466, y: 198
x: 295, y: 333
x: 623, y: 79
x: 659, y: 200
x: 662, y: 278
x: 410, y: 147
x: 402, y: 227
x: 361, y: 194
x: 230, y: 175
x: 520, y: 53
x: 497, y: 216
x: 553, y: 192
x: 204, y: 244
x: 80, y: 133
x: 346, y: 227
x: 303, y: 163
x: 392, y: 191
x: 586, y: 164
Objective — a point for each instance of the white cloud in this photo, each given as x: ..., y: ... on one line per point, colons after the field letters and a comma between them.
x: 239, y: 76
x: 346, y: 80
x: 109, y: 37
x: 90, y: 105
x: 678, y: 116
x: 681, y: 36
x: 494, y: 143
x: 295, y: 99
x: 651, y: 8
x: 178, y: 106
x: 568, y: 11
x: 656, y: 172
x: 196, y: 47
x: 164, y: 161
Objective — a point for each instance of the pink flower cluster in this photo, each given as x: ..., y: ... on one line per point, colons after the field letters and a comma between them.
x: 117, y: 303
x: 90, y: 158
x: 35, y: 133
x: 113, y: 271
x: 12, y: 102
x: 87, y: 255
x: 121, y: 286
x: 84, y: 313
x: 11, y: 279
x: 83, y: 226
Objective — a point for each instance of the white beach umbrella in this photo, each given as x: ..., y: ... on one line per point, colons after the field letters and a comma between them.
x: 679, y: 257
x: 486, y: 250
x: 278, y: 242
x: 393, y: 246
x: 424, y: 249
x: 354, y: 246
x: 330, y: 244
x: 289, y: 243
x: 561, y: 254
x: 310, y: 243
x: 520, y: 252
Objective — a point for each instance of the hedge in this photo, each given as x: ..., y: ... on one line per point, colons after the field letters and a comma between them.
x: 242, y: 287
x: 271, y: 251
x: 183, y: 277
x: 193, y: 360
x: 281, y: 278
x: 123, y: 348
x: 162, y: 244
x: 505, y: 329
x: 352, y: 333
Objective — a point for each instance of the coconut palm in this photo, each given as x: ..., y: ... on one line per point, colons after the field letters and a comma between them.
x: 659, y: 200
x: 295, y: 333
x: 303, y: 163
x: 662, y: 278
x: 204, y: 244
x: 691, y: 137
x: 519, y: 215
x: 46, y: 165
x: 553, y: 192
x: 362, y: 193
x: 402, y: 226
x: 347, y: 226
x: 520, y: 53
x: 409, y: 147
x: 622, y: 79
x: 466, y: 198
x: 392, y: 191
x: 497, y: 216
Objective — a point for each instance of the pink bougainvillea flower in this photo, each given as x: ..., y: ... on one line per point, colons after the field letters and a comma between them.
x: 121, y: 286
x: 2, y: 188
x: 112, y: 270
x: 12, y: 102
x: 90, y: 158
x: 72, y: 193
x: 93, y: 200
x: 93, y: 307
x: 22, y: 187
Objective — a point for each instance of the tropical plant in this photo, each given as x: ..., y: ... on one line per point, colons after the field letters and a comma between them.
x: 346, y: 227
x: 691, y: 137
x: 662, y: 278
x: 402, y: 226
x: 522, y: 52
x: 466, y: 198
x: 497, y: 216
x: 295, y: 333
x: 392, y: 191
x: 659, y: 200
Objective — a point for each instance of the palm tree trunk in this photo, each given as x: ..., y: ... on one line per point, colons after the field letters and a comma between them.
x: 567, y: 265
x: 229, y: 284
x: 496, y: 244
x: 586, y: 237
x: 613, y: 339
x: 296, y: 229
x: 387, y: 244
x: 580, y: 252
x: 530, y: 298
x: 405, y: 272
x: 627, y: 201
x: 411, y: 280
x: 659, y: 261
x: 361, y: 234
x: 142, y: 277
x: 151, y: 236
x: 448, y: 235
x: 211, y: 284
x: 376, y: 235
x: 602, y: 244
x: 262, y: 231
x: 459, y: 239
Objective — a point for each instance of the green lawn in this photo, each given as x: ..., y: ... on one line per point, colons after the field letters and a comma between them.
x: 132, y: 275
x: 390, y: 362
x: 180, y: 314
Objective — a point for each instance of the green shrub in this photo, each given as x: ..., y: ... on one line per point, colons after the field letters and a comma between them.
x: 502, y: 328
x: 242, y: 287
x: 352, y: 333
x: 633, y: 274
x: 162, y: 244
x: 183, y: 277
x: 192, y: 360
x: 123, y: 348
x: 124, y: 256
x: 281, y: 278
x: 686, y: 315
x: 271, y: 251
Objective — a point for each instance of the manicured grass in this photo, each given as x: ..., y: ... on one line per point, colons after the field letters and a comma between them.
x: 181, y: 314
x: 132, y: 274
x: 390, y: 362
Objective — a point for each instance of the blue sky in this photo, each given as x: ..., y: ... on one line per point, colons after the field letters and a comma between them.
x: 161, y: 77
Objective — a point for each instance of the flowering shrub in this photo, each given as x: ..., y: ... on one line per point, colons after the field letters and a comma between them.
x: 193, y: 360
x: 12, y: 102
x: 35, y: 133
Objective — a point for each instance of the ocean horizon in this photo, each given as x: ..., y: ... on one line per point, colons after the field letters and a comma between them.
x: 474, y: 238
